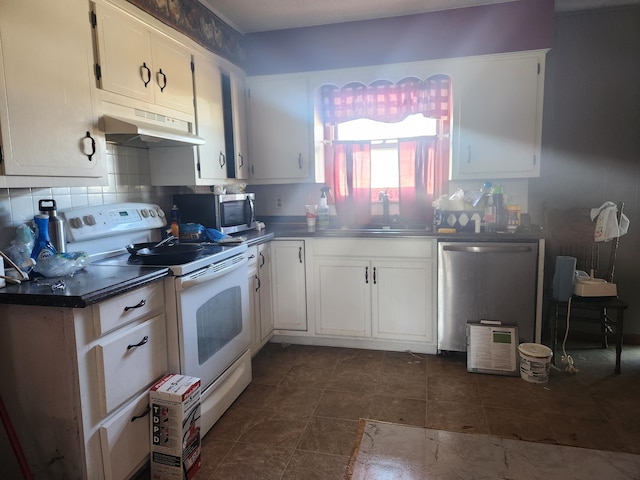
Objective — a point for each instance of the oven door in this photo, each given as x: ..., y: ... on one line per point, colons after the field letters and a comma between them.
x: 212, y: 306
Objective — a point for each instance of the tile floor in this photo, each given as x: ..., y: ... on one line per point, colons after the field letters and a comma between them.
x: 299, y: 417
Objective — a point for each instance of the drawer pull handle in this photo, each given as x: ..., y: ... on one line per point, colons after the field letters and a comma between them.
x: 142, y: 342
x: 140, y: 304
x: 142, y: 415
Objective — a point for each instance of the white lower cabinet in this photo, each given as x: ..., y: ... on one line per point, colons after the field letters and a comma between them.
x: 288, y: 276
x: 375, y: 288
x: 77, y: 389
x: 260, y: 309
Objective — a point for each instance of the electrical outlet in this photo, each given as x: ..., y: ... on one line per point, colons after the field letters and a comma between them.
x: 278, y: 202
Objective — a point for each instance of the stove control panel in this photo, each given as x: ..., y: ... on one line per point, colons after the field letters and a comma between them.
x: 99, y: 221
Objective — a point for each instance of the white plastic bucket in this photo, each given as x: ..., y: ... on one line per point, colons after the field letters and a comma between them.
x: 535, y: 362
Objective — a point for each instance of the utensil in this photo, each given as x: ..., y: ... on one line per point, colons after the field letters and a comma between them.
x: 23, y: 275
x: 11, y: 279
x: 166, y: 240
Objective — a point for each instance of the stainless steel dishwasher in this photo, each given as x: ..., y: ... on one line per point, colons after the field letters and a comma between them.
x: 485, y: 281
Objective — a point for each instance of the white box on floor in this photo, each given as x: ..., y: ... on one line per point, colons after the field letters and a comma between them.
x: 175, y: 428
x: 491, y: 348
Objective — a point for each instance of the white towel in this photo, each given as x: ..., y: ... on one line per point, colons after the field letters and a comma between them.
x: 607, y: 227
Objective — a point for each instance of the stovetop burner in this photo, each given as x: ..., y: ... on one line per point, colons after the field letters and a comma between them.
x: 210, y: 254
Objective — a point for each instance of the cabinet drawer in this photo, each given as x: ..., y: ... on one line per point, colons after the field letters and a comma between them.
x: 130, y: 361
x: 127, y: 307
x: 124, y: 439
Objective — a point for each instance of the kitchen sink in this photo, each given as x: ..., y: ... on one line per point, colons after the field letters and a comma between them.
x: 374, y: 231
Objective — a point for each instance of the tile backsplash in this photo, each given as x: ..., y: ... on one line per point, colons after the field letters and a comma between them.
x: 129, y: 181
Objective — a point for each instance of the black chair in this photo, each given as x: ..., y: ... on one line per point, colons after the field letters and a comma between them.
x: 571, y: 233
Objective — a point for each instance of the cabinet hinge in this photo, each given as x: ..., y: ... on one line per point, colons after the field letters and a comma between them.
x: 538, y: 68
x: 193, y: 67
x: 98, y: 71
x: 93, y: 19
x: 535, y: 159
x: 198, y: 168
x: 248, y: 93
x: 1, y: 155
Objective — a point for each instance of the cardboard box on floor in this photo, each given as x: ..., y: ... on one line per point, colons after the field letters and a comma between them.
x: 175, y: 428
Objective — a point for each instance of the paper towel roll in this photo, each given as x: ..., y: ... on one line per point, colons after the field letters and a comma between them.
x: 563, y: 277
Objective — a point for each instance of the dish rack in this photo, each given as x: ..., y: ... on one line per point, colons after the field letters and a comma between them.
x: 461, y: 220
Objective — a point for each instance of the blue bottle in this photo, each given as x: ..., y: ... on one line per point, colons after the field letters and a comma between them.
x: 42, y: 247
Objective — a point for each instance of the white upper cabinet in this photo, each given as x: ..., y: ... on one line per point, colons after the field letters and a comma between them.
x: 239, y: 126
x: 280, y: 129
x: 48, y: 112
x: 209, y: 120
x: 141, y: 63
x: 497, y: 129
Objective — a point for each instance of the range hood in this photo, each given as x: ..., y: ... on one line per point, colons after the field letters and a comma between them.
x: 138, y: 132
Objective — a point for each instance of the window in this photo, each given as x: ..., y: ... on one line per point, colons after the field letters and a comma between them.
x: 383, y: 137
x: 389, y: 138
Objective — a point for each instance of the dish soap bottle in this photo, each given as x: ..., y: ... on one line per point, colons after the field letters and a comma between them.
x: 42, y: 247
x: 323, y: 209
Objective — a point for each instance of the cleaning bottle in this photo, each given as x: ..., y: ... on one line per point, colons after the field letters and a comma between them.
x: 42, y: 247
x: 501, y: 209
x: 489, y: 214
x: 323, y: 209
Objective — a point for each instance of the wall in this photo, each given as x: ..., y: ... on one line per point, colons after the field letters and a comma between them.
x: 591, y: 128
x: 129, y: 181
x: 485, y: 29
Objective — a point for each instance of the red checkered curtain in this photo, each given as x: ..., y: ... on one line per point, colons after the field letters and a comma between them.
x: 352, y: 182
x: 384, y: 101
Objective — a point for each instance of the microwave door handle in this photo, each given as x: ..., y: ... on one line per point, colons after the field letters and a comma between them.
x: 248, y: 211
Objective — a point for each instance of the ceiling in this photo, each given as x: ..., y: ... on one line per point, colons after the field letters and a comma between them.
x: 248, y: 16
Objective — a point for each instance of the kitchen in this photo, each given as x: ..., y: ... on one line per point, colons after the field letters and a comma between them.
x: 575, y: 163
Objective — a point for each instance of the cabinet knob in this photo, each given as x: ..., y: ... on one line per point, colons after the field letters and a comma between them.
x: 89, y: 146
x: 162, y: 80
x: 146, y: 74
x: 140, y: 304
x: 144, y: 340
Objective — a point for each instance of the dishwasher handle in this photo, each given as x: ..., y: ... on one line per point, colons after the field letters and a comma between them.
x: 488, y: 248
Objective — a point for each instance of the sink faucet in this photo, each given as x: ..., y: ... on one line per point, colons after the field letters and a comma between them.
x: 384, y: 198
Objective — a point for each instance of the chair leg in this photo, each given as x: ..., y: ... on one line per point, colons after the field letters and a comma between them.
x: 605, y: 328
x: 619, y: 337
x: 554, y: 332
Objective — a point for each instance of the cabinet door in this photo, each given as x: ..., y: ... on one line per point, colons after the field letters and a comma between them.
x: 404, y: 300
x: 289, y: 284
x: 343, y: 297
x: 47, y: 98
x: 239, y: 119
x: 172, y: 74
x: 209, y: 120
x: 500, y: 112
x: 124, y: 50
x: 140, y: 63
x: 264, y: 291
x: 280, y: 123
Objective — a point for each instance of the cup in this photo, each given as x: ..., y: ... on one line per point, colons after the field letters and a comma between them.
x: 311, y: 214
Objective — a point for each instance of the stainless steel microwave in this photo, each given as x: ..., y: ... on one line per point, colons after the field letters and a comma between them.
x: 229, y: 213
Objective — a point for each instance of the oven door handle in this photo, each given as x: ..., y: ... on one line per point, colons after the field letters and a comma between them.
x: 210, y: 273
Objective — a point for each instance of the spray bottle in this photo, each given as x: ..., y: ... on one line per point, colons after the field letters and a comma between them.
x: 323, y: 209
x: 42, y: 248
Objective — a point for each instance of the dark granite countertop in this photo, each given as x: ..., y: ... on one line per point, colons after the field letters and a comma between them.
x: 91, y: 285
x: 297, y: 229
